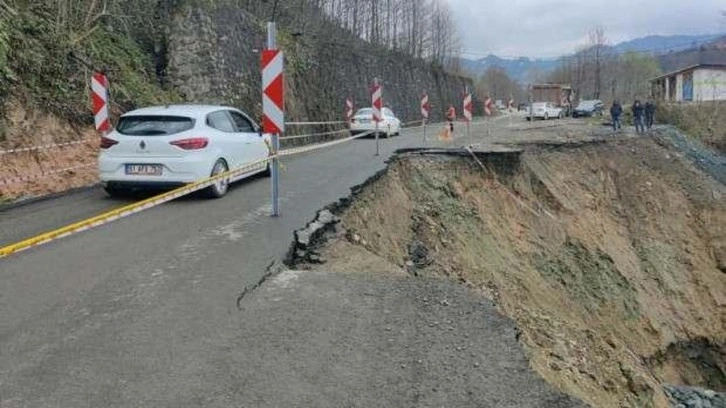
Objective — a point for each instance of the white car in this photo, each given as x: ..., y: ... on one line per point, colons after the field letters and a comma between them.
x: 168, y: 146
x: 545, y: 110
x: 363, y: 122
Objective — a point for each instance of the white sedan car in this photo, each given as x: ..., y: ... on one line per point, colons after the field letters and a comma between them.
x: 545, y: 110
x: 363, y: 122
x: 161, y: 147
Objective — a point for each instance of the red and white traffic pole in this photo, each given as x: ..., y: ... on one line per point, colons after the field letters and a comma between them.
x: 468, y: 113
x: 273, y: 118
x: 348, y: 110
x: 99, y: 99
x: 377, y: 104
x: 425, y: 107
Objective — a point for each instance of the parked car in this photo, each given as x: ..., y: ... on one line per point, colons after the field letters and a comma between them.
x: 545, y: 110
x: 363, y: 122
x: 588, y: 108
x: 168, y: 146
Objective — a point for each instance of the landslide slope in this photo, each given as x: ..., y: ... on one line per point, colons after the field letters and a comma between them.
x: 609, y: 256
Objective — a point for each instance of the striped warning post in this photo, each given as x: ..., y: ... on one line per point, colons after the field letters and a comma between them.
x: 99, y: 98
x: 377, y: 101
x: 348, y: 109
x: 425, y: 106
x: 467, y: 107
x: 273, y: 119
x: 488, y: 106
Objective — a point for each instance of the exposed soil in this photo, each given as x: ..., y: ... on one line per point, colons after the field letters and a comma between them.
x: 610, y: 256
x: 30, y: 129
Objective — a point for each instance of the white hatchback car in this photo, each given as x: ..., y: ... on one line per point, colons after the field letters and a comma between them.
x: 363, y: 122
x: 546, y: 110
x: 167, y: 146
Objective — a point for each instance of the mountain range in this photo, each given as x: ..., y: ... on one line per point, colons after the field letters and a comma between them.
x: 525, y: 69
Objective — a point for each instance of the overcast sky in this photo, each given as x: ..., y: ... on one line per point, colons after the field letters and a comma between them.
x: 549, y: 28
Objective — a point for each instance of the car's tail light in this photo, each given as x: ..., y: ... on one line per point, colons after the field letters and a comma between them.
x: 107, y: 142
x: 194, y: 143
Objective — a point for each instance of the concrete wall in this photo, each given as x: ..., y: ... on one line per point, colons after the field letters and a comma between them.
x: 213, y: 57
x: 709, y: 84
x: 679, y: 87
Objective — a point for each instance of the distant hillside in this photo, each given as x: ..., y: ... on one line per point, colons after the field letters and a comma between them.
x: 521, y: 70
x: 660, y: 44
x: 525, y: 70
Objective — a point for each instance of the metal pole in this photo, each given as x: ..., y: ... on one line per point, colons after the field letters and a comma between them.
x: 275, y: 168
x: 531, y: 110
x: 424, y: 131
x: 375, y: 84
x: 377, y: 148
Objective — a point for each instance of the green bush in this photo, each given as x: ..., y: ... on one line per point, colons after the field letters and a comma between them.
x: 48, y: 66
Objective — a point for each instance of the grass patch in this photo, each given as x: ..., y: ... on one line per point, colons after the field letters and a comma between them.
x: 590, y: 277
x: 705, y: 121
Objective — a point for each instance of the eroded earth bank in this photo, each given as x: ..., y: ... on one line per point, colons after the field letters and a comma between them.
x: 609, y: 256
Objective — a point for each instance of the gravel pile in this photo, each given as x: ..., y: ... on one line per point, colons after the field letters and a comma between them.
x: 692, y: 397
x: 705, y: 158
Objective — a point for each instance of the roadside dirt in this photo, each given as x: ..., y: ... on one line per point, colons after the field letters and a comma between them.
x: 610, y: 256
x: 24, y: 129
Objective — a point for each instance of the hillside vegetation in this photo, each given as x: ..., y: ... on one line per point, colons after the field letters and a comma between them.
x: 703, y: 121
x: 48, y: 48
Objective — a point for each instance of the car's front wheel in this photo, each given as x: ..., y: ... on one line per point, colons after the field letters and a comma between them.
x: 546, y: 116
x: 220, y: 187
x: 560, y: 116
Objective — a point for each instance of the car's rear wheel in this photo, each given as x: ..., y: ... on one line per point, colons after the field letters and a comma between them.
x: 560, y: 116
x: 268, y: 170
x: 117, y: 192
x: 221, y: 186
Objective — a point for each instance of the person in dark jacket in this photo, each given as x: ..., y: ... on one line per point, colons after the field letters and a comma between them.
x: 615, y: 112
x: 649, y: 114
x: 639, y: 116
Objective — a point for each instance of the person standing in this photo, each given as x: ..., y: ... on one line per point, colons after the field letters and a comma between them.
x: 615, y: 112
x: 638, y: 116
x: 649, y: 114
x: 451, y: 117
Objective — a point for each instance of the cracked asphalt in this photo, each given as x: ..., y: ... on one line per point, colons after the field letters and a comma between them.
x: 143, y: 311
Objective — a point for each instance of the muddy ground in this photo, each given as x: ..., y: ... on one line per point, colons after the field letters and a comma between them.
x: 608, y: 252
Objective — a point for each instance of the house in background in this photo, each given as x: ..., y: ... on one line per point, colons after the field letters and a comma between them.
x: 693, y: 76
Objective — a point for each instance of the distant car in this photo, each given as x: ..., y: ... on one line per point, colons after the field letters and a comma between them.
x: 169, y: 146
x: 363, y: 122
x: 588, y: 108
x: 545, y: 110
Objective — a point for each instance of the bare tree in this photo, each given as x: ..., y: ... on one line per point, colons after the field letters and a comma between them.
x: 597, y: 43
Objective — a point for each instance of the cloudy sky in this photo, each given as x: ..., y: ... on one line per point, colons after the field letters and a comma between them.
x: 548, y: 28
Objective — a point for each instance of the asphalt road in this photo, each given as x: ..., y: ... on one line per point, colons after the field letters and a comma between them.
x: 143, y: 311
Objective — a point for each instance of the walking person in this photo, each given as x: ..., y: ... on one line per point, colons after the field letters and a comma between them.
x: 615, y: 112
x: 451, y: 117
x: 649, y: 114
x: 639, y: 116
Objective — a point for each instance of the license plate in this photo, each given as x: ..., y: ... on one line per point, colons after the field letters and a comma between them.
x: 144, y: 169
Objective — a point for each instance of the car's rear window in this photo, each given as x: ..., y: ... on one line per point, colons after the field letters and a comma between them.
x: 153, y: 125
